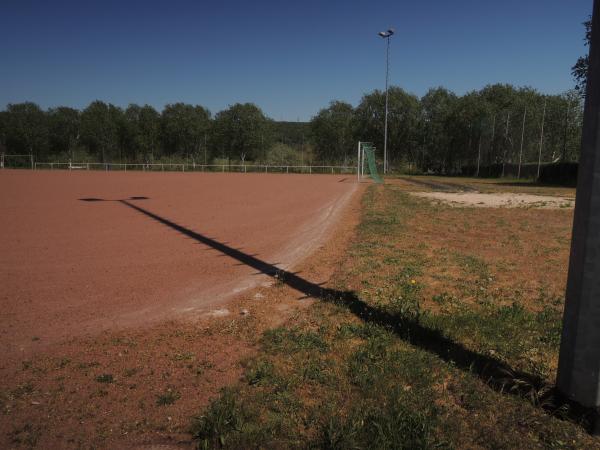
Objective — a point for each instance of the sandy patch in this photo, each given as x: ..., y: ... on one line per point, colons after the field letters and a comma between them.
x: 498, y: 200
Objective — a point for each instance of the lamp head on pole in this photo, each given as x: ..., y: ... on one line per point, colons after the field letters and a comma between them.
x: 387, y: 34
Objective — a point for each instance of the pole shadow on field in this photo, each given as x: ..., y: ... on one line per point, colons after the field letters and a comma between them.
x: 497, y: 374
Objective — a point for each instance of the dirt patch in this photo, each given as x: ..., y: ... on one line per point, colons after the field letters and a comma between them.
x: 499, y: 200
x: 439, y: 186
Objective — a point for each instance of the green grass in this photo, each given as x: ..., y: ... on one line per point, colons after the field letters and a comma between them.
x: 167, y: 398
x: 105, y: 378
x: 282, y: 340
x: 375, y: 368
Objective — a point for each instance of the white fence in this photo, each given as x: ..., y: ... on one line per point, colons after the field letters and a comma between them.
x: 167, y: 167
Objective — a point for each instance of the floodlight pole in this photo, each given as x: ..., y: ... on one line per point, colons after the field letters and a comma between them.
x: 386, y: 35
x: 579, y: 361
x: 387, y: 75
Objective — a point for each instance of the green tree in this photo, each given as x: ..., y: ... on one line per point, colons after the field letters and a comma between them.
x: 333, y: 133
x: 242, y: 131
x: 500, y: 99
x: 184, y: 129
x: 564, y: 115
x: 3, y: 130
x: 283, y: 154
x: 142, y: 132
x: 404, y: 111
x: 467, y: 127
x: 64, y: 130
x: 27, y: 130
x: 100, y: 130
x: 580, y: 69
x: 438, y: 108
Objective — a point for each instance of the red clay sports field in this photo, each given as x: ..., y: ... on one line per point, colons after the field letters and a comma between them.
x: 83, y: 252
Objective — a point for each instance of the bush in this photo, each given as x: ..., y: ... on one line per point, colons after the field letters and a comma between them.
x: 283, y: 155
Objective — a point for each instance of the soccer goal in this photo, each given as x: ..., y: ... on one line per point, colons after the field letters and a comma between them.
x: 366, y: 151
x: 16, y: 161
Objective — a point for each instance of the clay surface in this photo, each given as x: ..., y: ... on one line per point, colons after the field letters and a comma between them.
x: 83, y: 252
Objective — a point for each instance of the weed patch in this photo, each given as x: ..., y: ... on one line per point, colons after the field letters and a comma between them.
x: 168, y: 397
x: 105, y: 378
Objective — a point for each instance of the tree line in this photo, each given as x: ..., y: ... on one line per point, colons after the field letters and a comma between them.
x: 439, y: 132
x: 442, y: 132
x: 103, y: 132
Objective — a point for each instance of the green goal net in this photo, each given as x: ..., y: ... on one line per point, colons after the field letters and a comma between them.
x: 367, y: 151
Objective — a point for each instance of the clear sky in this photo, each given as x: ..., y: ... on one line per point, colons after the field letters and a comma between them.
x: 289, y: 57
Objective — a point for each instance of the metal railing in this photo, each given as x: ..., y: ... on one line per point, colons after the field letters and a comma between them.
x: 187, y: 167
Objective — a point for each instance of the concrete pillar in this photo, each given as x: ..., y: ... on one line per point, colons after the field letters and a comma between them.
x: 579, y: 362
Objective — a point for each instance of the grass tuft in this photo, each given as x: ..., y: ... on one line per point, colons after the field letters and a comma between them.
x: 105, y: 378
x: 167, y: 398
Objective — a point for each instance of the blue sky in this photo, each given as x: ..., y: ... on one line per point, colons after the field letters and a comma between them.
x: 289, y: 57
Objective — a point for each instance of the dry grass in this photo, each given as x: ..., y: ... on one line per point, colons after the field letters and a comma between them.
x: 440, y: 329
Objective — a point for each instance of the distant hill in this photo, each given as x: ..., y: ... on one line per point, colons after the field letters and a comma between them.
x: 291, y: 133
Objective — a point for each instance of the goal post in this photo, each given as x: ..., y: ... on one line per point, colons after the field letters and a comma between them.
x: 16, y: 161
x: 366, y: 154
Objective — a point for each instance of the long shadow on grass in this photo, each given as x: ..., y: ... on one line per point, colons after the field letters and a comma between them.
x: 495, y: 373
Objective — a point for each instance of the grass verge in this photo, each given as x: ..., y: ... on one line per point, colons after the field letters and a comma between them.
x: 397, y: 356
